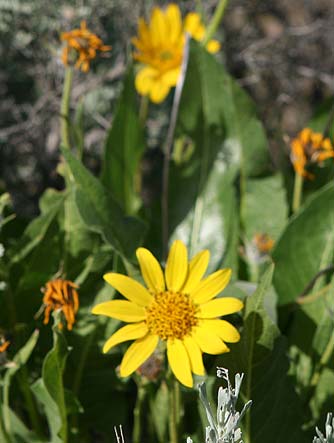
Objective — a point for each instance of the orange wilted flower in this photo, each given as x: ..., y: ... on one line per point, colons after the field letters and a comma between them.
x: 263, y: 242
x: 4, y: 345
x: 81, y: 45
x: 309, y: 147
x: 61, y: 295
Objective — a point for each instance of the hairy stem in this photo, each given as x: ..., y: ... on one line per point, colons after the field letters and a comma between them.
x: 65, y: 108
x: 175, y: 409
x: 297, y: 192
x: 168, y: 148
x: 137, y: 412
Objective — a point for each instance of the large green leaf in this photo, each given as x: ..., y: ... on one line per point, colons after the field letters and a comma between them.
x: 49, y: 390
x: 211, y: 94
x: 101, y: 213
x: 306, y: 246
x: 123, y: 149
x: 218, y: 122
x: 261, y: 354
x: 264, y: 209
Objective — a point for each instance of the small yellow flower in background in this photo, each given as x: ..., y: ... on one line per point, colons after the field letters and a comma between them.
x: 82, y: 45
x: 159, y: 47
x: 178, y: 307
x: 61, y: 295
x: 309, y: 147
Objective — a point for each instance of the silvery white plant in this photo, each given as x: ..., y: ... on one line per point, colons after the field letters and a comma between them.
x: 329, y: 430
x: 225, y: 427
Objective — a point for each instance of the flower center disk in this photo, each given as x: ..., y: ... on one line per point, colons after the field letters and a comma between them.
x: 171, y: 315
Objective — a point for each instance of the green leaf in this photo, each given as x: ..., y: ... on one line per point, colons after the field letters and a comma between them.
x: 275, y: 414
x: 211, y: 94
x: 78, y: 237
x: 50, y: 407
x: 20, y: 359
x: 101, y: 213
x: 38, y: 228
x: 123, y: 149
x: 20, y: 433
x: 264, y: 209
x: 306, y: 246
x: 49, y: 390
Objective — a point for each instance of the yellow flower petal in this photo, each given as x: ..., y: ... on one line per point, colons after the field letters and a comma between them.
x: 145, y: 79
x: 171, y: 76
x: 211, y: 286
x: 223, y: 329
x: 197, y: 267
x: 195, y: 355
x: 177, y: 266
x: 179, y: 362
x: 128, y: 332
x: 213, y: 46
x: 208, y: 341
x: 129, y: 287
x: 159, y: 90
x: 151, y: 270
x: 173, y: 16
x: 192, y: 22
x: 218, y: 307
x: 158, y: 28
x: 137, y: 354
x: 121, y: 310
x: 143, y: 31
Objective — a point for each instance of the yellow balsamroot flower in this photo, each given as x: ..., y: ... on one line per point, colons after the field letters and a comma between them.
x: 159, y: 47
x: 61, y: 295
x: 82, y: 45
x: 178, y: 307
x: 309, y: 147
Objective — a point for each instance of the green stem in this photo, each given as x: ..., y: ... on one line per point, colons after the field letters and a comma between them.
x: 175, y: 409
x: 215, y: 21
x: 297, y: 192
x: 65, y: 108
x: 323, y: 361
x: 143, y: 109
x: 137, y: 412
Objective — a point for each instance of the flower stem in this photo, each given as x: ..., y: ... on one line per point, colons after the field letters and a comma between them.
x: 297, y: 192
x: 143, y: 109
x: 137, y: 412
x: 65, y: 108
x: 168, y: 149
x: 323, y: 361
x: 215, y: 21
x: 175, y: 410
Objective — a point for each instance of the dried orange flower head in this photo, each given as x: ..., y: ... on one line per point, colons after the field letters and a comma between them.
x: 4, y: 345
x: 307, y: 148
x: 81, y: 47
x: 263, y: 242
x: 61, y: 295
